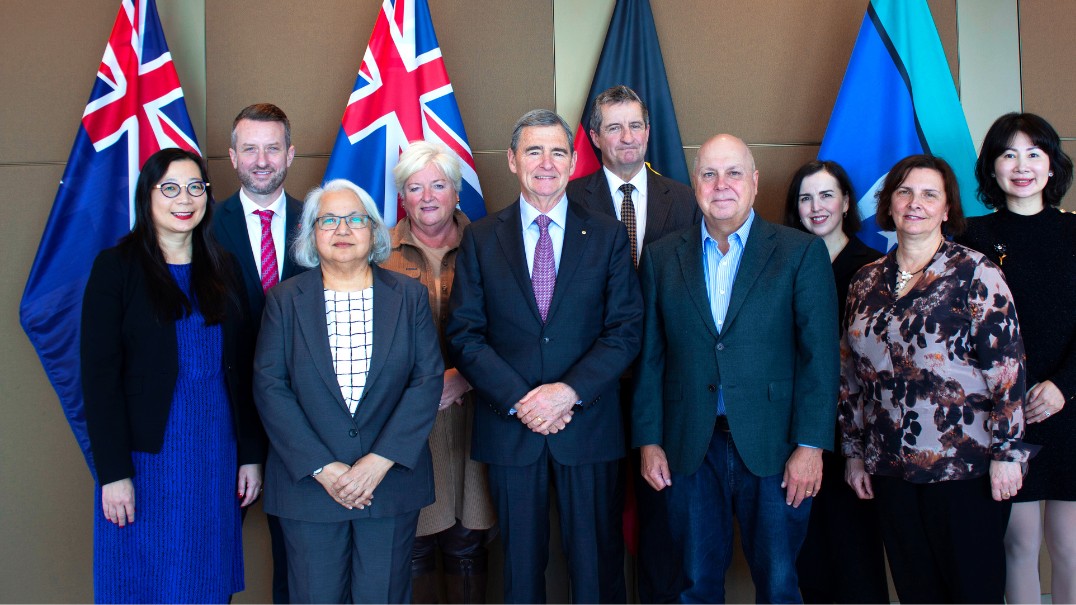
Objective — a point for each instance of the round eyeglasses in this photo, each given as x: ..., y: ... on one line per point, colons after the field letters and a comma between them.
x: 171, y: 190
x: 330, y: 222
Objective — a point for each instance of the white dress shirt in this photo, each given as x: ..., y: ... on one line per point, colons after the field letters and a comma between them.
x: 638, y: 199
x: 254, y: 229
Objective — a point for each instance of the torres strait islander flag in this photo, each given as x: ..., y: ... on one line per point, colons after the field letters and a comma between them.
x: 898, y: 99
x: 136, y: 108
x: 402, y: 94
x: 631, y: 56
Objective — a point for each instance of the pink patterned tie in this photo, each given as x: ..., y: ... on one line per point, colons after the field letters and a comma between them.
x: 544, y: 274
x: 270, y: 275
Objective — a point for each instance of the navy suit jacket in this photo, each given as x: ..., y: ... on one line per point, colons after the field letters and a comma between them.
x: 776, y: 358
x: 670, y: 205
x: 230, y: 229
x: 304, y: 413
x: 498, y: 342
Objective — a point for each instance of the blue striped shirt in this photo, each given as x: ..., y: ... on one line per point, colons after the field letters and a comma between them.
x: 720, y: 272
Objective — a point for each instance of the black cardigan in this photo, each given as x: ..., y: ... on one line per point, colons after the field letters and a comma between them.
x: 130, y: 365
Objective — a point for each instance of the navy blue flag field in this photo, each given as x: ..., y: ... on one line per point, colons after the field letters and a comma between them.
x: 631, y: 56
x: 136, y: 108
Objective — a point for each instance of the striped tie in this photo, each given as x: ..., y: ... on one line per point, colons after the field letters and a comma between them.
x: 270, y: 274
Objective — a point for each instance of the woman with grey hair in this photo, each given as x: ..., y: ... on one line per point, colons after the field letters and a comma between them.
x: 347, y: 376
x: 424, y: 246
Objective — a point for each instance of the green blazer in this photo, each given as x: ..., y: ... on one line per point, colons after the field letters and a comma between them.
x: 777, y: 357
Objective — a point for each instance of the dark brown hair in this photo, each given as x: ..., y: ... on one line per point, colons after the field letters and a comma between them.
x: 998, y: 139
x: 954, y: 225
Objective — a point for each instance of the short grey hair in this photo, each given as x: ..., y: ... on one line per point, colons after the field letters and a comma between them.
x: 305, y: 251
x: 421, y: 154
x: 540, y: 117
x: 615, y: 96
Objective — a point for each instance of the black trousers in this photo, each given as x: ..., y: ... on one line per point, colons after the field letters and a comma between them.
x: 945, y: 540
x: 591, y: 528
x: 842, y: 560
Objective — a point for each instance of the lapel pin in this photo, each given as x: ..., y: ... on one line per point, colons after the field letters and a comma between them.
x: 584, y: 232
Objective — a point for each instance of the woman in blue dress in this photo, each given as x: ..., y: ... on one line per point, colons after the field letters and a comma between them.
x: 166, y: 366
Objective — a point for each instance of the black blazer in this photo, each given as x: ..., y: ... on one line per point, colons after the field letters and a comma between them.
x: 130, y: 363
x: 498, y: 342
x: 230, y: 229
x: 670, y: 205
x: 309, y: 426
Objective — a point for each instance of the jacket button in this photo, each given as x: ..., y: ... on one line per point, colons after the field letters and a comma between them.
x: 711, y: 388
x: 352, y: 433
x: 545, y: 340
x: 720, y: 346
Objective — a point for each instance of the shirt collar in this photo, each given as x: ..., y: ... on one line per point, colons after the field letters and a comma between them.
x: 639, y: 181
x: 249, y: 206
x: 559, y: 213
x: 740, y: 234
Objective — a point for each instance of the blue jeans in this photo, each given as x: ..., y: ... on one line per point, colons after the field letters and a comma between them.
x: 701, y: 507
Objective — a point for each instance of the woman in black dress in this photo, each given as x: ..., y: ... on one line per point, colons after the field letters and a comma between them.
x: 1023, y: 173
x: 841, y: 560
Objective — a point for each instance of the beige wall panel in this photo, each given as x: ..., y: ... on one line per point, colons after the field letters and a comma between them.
x: 257, y: 558
x: 769, y: 72
x: 499, y: 56
x: 310, y: 69
x: 300, y: 56
x: 51, y: 52
x: 1048, y: 61
x: 47, y: 507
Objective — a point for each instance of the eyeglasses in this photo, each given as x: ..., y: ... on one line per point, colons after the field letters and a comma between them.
x: 194, y: 189
x: 331, y: 222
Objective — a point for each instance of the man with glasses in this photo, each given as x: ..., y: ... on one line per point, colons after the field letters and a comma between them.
x: 257, y: 224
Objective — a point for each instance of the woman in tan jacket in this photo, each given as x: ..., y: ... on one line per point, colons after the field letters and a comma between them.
x: 424, y: 246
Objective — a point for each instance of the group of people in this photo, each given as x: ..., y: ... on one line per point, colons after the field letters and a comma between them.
x: 417, y: 391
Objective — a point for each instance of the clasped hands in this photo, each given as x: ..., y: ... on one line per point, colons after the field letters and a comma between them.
x: 547, y: 408
x: 353, y: 486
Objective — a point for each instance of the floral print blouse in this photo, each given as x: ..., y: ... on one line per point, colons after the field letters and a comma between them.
x: 932, y: 384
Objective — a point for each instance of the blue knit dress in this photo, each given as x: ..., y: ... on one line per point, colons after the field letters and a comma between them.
x: 185, y: 545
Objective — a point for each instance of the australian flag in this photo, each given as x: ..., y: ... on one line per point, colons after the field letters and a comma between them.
x: 898, y: 99
x: 136, y: 108
x: 402, y: 94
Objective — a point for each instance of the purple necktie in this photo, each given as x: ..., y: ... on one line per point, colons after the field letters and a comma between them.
x: 544, y: 274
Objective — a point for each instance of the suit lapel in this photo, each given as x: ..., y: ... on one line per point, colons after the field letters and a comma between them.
x: 310, y: 308
x: 387, y: 303
x: 509, y: 232
x: 598, y: 198
x: 657, y: 206
x: 292, y: 210
x: 690, y: 254
x: 235, y: 228
x: 572, y: 251
x: 760, y: 246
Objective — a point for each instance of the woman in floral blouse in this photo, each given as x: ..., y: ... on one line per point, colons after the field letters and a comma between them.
x: 931, y: 410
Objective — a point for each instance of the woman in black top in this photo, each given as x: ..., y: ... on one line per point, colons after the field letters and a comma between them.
x: 841, y: 560
x: 1023, y: 173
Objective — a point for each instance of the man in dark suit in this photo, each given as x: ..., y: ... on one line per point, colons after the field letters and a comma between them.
x: 737, y: 383
x: 545, y: 317
x: 258, y: 224
x: 650, y: 206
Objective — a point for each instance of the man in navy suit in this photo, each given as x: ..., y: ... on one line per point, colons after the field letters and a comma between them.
x: 545, y: 317
x: 650, y: 206
x: 737, y: 382
x: 257, y: 224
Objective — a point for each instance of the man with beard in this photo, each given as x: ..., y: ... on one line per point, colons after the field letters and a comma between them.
x: 257, y: 224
